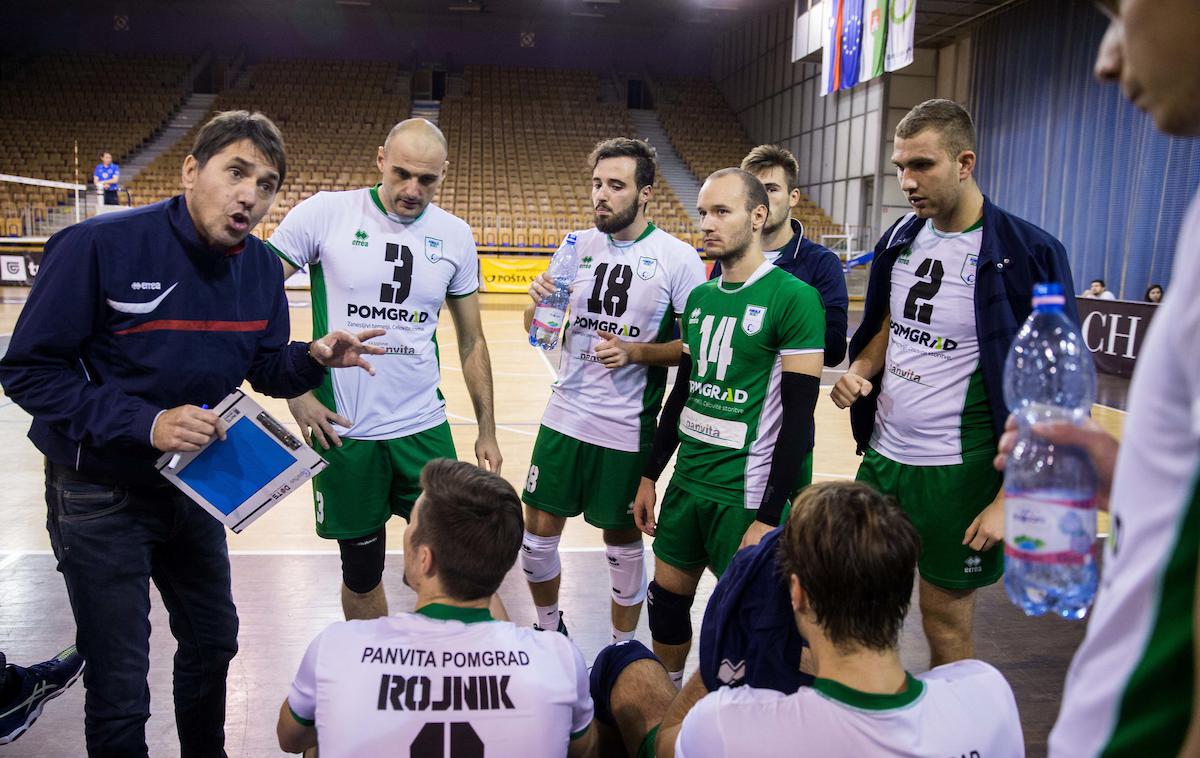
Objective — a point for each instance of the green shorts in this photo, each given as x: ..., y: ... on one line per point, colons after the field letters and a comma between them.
x: 694, y: 532
x: 646, y: 746
x: 942, y: 501
x: 368, y: 481
x: 568, y: 477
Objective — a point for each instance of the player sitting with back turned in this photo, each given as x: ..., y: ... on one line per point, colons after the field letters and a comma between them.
x: 406, y: 684
x: 848, y: 558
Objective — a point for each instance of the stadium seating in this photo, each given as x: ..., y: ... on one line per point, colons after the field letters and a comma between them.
x: 519, y: 141
x: 706, y: 134
x: 103, y: 102
x: 333, y: 115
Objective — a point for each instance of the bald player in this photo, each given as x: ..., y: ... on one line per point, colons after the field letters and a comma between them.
x: 389, y: 257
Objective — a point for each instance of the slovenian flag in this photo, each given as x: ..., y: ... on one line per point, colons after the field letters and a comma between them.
x: 852, y: 26
x: 902, y: 23
x: 831, y: 57
x: 874, y: 39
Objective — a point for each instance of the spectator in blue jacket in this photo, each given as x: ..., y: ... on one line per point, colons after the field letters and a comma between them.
x: 951, y: 284
x: 785, y: 245
x: 136, y: 324
x: 107, y: 178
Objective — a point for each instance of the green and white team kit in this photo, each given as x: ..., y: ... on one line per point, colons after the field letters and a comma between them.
x: 634, y: 290
x: 932, y: 407
x: 414, y: 683
x: 737, y: 335
x: 959, y: 709
x: 371, y: 269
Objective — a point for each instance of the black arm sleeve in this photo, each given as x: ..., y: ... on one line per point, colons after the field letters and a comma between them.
x: 798, y: 396
x: 666, y: 437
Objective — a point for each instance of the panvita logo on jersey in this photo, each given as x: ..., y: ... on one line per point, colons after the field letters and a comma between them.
x: 717, y: 392
x: 922, y: 337
x: 752, y: 319
x: 595, y: 324
x: 433, y: 249
x: 647, y: 267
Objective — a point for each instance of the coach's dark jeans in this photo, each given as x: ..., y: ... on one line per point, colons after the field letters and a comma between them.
x: 110, y: 541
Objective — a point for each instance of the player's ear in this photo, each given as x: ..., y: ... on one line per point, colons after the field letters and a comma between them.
x: 379, y: 158
x: 188, y: 173
x: 796, y: 592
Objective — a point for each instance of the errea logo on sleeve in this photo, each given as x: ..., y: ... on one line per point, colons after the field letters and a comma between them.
x: 157, y: 286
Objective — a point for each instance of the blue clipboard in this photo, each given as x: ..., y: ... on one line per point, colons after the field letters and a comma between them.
x: 241, y: 477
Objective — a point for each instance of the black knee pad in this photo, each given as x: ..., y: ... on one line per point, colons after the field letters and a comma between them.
x: 362, y: 561
x: 670, y: 615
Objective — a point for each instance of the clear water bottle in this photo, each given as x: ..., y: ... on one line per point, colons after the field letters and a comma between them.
x: 549, y: 314
x: 1049, y: 490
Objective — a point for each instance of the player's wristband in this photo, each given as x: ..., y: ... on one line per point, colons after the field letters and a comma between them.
x: 666, y: 437
x: 798, y: 395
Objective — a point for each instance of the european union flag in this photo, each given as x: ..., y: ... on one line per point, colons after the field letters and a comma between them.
x: 852, y: 27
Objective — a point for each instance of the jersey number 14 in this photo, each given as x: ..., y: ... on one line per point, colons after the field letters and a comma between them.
x: 716, y: 346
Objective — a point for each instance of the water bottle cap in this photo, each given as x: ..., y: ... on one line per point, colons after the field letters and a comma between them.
x: 570, y: 240
x: 1048, y: 295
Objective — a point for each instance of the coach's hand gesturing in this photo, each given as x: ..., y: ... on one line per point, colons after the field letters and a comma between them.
x: 643, y: 506
x: 341, y: 349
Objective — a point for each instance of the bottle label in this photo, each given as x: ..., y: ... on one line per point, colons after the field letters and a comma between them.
x: 549, y: 319
x: 1049, y: 527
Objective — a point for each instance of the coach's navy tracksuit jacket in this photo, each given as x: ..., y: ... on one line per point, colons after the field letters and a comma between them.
x: 132, y: 314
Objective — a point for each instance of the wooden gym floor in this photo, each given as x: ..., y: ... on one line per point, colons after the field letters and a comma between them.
x: 286, y: 579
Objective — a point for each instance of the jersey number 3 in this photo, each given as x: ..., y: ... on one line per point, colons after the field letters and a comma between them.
x: 918, y: 311
x: 396, y: 291
x: 430, y: 742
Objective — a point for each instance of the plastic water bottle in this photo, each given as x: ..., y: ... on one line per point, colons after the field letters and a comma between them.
x: 1049, y: 490
x: 549, y: 314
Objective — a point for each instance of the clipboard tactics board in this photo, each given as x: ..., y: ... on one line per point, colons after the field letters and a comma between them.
x: 241, y: 477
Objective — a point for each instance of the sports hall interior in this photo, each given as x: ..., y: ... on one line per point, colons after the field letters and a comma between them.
x: 522, y: 90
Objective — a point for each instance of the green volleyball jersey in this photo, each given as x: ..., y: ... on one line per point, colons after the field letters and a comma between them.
x: 736, y: 334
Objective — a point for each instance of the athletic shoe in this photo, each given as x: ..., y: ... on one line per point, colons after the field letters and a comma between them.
x: 562, y: 627
x: 38, y: 683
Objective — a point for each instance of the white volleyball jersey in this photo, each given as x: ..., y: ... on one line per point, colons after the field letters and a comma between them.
x: 369, y: 270
x: 1129, y: 688
x: 932, y: 406
x: 964, y: 708
x: 441, y: 681
x: 634, y: 290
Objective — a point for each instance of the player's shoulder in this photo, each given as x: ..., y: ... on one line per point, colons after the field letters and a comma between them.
x: 788, y: 286
x: 442, y: 217
x: 325, y: 199
x: 669, y: 243
x: 588, y: 237
x: 968, y: 673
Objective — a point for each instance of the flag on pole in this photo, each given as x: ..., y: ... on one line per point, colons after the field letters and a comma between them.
x: 902, y: 17
x: 874, y: 39
x: 852, y: 26
x: 831, y: 54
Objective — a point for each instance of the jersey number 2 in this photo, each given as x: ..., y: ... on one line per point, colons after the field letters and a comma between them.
x: 615, y: 299
x: 397, y: 290
x: 430, y: 742
x: 923, y: 312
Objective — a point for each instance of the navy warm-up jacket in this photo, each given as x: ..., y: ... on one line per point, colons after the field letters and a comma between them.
x: 1013, y: 256
x: 819, y: 267
x: 131, y: 314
